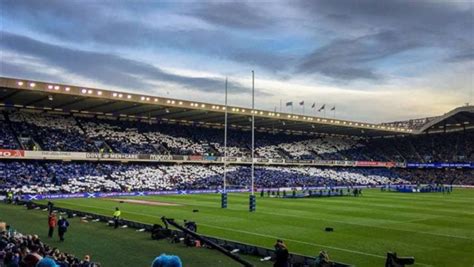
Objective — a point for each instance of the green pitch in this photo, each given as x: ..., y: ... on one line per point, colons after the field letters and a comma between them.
x: 437, y: 229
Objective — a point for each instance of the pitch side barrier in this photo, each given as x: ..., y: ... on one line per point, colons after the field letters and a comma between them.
x: 228, y: 245
x: 30, y: 197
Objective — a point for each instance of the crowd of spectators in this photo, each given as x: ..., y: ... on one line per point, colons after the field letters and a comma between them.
x: 7, y: 137
x: 18, y: 250
x: 73, y: 177
x: 51, y: 132
x: 65, y: 132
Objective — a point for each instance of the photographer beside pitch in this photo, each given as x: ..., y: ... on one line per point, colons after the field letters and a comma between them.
x: 281, y: 254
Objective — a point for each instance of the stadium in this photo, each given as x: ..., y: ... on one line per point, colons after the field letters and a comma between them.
x: 82, y: 147
x: 236, y: 133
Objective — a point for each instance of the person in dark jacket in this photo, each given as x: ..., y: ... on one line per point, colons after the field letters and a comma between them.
x: 281, y: 255
x: 63, y: 224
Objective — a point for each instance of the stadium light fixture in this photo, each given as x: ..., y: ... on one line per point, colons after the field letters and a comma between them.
x: 32, y: 84
x: 83, y: 91
x: 203, y: 106
x: 67, y: 89
x: 89, y: 91
x: 50, y: 87
x: 20, y: 83
x: 180, y: 102
x: 120, y: 95
x: 56, y: 87
x: 129, y: 97
x: 114, y: 94
x: 99, y: 92
x: 142, y: 98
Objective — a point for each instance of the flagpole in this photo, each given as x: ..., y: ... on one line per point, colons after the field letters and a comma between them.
x: 252, y: 195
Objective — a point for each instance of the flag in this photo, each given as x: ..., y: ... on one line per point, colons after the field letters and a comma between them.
x: 302, y: 103
x: 289, y: 104
x: 314, y: 105
x: 333, y: 108
x: 322, y: 107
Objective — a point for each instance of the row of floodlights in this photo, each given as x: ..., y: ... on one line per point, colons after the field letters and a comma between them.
x: 197, y: 105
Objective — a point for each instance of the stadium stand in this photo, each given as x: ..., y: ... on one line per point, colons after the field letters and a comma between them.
x: 72, y: 177
x: 64, y: 132
x: 50, y: 132
x: 7, y: 137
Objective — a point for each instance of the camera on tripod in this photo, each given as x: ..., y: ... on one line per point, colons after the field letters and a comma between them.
x: 190, y: 225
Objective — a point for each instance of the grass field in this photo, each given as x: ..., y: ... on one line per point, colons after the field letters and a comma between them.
x: 112, y: 248
x: 437, y: 229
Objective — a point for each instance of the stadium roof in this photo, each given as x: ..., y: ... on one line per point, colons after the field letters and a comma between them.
x: 457, y: 119
x: 21, y: 93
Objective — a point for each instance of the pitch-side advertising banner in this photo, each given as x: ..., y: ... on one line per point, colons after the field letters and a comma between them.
x: 468, y: 165
x: 29, y: 197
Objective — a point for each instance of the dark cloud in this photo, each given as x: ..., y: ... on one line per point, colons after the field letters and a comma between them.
x: 462, y: 56
x: 350, y: 59
x: 73, y: 21
x: 106, y: 68
x: 350, y: 37
x: 379, y: 30
x: 233, y: 15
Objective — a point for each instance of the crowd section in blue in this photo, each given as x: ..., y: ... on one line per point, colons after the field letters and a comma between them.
x: 56, y: 177
x: 65, y: 132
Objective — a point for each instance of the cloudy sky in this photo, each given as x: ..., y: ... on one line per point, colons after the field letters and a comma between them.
x: 374, y: 60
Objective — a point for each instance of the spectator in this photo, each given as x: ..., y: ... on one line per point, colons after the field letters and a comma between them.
x: 46, y: 262
x: 322, y: 260
x: 167, y: 261
x: 63, y: 225
x: 281, y: 255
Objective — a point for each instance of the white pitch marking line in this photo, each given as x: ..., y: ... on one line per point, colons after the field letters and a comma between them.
x: 303, y: 242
